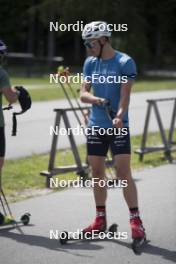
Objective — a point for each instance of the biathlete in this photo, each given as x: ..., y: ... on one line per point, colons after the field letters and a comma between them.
x: 107, y: 62
x: 11, y: 95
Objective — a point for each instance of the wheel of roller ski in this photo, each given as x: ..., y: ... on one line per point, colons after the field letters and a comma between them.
x: 137, y: 245
x: 113, y: 228
x: 25, y: 218
x: 63, y: 237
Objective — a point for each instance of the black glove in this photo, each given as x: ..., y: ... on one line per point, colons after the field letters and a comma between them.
x: 25, y: 103
x: 23, y: 98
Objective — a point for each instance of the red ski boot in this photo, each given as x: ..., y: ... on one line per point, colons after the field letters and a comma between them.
x: 137, y: 228
x: 99, y: 225
x: 138, y: 234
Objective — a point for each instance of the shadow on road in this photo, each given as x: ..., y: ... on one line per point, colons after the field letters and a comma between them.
x: 46, y: 242
x: 153, y: 250
x: 50, y: 244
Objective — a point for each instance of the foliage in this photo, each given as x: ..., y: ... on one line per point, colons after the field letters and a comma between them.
x: 150, y: 38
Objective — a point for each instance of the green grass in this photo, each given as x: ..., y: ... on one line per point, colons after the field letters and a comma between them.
x: 49, y: 91
x: 22, y: 174
x: 154, y: 85
x: 29, y: 81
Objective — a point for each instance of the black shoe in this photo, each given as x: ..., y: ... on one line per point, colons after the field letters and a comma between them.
x: 1, y: 219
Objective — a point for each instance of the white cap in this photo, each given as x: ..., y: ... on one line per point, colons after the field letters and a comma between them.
x: 96, y: 29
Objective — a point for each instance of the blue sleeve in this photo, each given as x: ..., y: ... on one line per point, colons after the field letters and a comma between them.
x: 129, y: 69
x: 87, y: 70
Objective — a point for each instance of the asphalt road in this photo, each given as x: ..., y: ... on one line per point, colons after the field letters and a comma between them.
x: 74, y: 208
x: 34, y: 126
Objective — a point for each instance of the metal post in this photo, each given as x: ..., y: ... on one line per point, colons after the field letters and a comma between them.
x: 73, y: 143
x: 163, y: 136
x: 144, y: 137
x: 171, y: 131
x: 53, y: 147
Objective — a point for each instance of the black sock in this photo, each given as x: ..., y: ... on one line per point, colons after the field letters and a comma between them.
x: 133, y: 209
x: 134, y: 212
x: 101, y: 207
x: 101, y: 211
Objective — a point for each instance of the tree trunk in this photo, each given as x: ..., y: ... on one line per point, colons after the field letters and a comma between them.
x: 77, y: 49
x: 51, y: 40
x: 158, y: 49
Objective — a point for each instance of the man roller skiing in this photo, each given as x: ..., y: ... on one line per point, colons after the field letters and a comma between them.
x: 106, y: 61
x: 11, y: 96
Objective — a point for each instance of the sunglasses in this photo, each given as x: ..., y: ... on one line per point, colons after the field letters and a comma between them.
x: 89, y: 45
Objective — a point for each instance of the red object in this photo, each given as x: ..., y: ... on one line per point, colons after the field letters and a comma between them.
x: 137, y: 228
x: 99, y: 224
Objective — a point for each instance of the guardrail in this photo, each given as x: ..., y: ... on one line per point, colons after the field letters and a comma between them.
x: 168, y: 143
x: 79, y: 167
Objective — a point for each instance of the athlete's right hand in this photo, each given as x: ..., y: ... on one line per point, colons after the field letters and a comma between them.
x: 117, y: 122
x: 100, y: 101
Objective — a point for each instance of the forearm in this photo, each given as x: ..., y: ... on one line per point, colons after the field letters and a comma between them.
x: 123, y: 106
x: 11, y: 94
x: 87, y: 97
x: 14, y: 96
x: 124, y: 99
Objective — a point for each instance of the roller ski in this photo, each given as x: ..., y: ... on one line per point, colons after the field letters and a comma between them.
x: 94, y: 234
x: 8, y: 220
x: 138, y: 235
x: 6, y: 217
x: 93, y: 231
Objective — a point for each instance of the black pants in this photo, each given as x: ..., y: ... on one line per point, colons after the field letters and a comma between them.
x: 98, y: 145
x: 2, y: 142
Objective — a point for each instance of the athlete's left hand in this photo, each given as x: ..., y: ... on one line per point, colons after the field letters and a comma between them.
x: 117, y: 122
